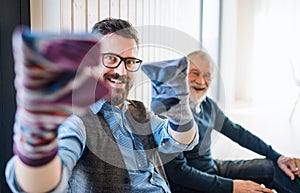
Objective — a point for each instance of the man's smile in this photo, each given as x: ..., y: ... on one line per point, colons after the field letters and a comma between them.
x: 198, y: 88
x: 116, y: 79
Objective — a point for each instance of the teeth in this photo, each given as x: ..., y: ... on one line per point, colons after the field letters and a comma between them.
x: 199, y: 88
x: 116, y: 81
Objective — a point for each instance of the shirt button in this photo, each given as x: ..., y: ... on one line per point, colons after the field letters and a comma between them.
x: 163, y: 144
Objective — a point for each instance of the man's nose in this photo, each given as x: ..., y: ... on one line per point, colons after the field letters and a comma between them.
x: 200, y: 79
x: 121, y: 70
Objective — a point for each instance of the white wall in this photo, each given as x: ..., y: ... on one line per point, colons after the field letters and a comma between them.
x: 259, y: 39
x: 228, y: 51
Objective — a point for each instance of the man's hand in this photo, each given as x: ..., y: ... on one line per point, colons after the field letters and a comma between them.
x: 290, y: 166
x: 247, y: 186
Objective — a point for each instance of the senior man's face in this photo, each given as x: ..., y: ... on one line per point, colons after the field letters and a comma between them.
x: 199, y: 78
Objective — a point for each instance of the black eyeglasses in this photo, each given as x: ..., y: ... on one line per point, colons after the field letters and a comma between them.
x: 111, y: 60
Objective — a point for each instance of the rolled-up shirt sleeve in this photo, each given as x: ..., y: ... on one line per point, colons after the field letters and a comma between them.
x: 72, y: 137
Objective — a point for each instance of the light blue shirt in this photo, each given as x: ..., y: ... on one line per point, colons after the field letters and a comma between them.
x: 72, y: 138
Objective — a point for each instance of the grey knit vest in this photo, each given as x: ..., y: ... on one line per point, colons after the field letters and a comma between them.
x: 101, y: 168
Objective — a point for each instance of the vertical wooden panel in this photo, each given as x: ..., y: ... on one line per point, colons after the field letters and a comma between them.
x: 104, y: 9
x: 124, y: 9
x: 151, y: 13
x: 162, y: 21
x: 132, y: 12
x: 36, y: 15
x: 143, y: 20
x: 150, y: 17
x: 146, y: 13
x: 51, y: 21
x: 79, y: 15
x: 139, y: 12
x: 114, y: 8
x: 92, y: 16
x: 155, y: 10
x: 66, y: 13
x: 145, y: 48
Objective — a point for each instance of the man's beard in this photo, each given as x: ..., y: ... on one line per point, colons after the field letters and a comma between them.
x: 119, y: 95
x: 196, y: 99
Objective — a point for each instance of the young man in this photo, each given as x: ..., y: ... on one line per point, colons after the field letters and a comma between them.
x: 113, y: 147
x: 197, y: 171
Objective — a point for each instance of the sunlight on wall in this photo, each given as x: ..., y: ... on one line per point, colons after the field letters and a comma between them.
x: 269, y: 39
x: 276, y: 41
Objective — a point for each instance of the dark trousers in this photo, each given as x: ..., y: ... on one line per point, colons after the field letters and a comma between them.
x: 262, y: 171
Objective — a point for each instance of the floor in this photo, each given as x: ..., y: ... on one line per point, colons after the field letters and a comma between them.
x: 268, y: 121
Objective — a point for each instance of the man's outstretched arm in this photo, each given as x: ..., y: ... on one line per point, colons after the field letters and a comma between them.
x: 52, y: 72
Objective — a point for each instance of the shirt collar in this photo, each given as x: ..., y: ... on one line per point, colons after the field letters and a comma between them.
x: 96, y: 107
